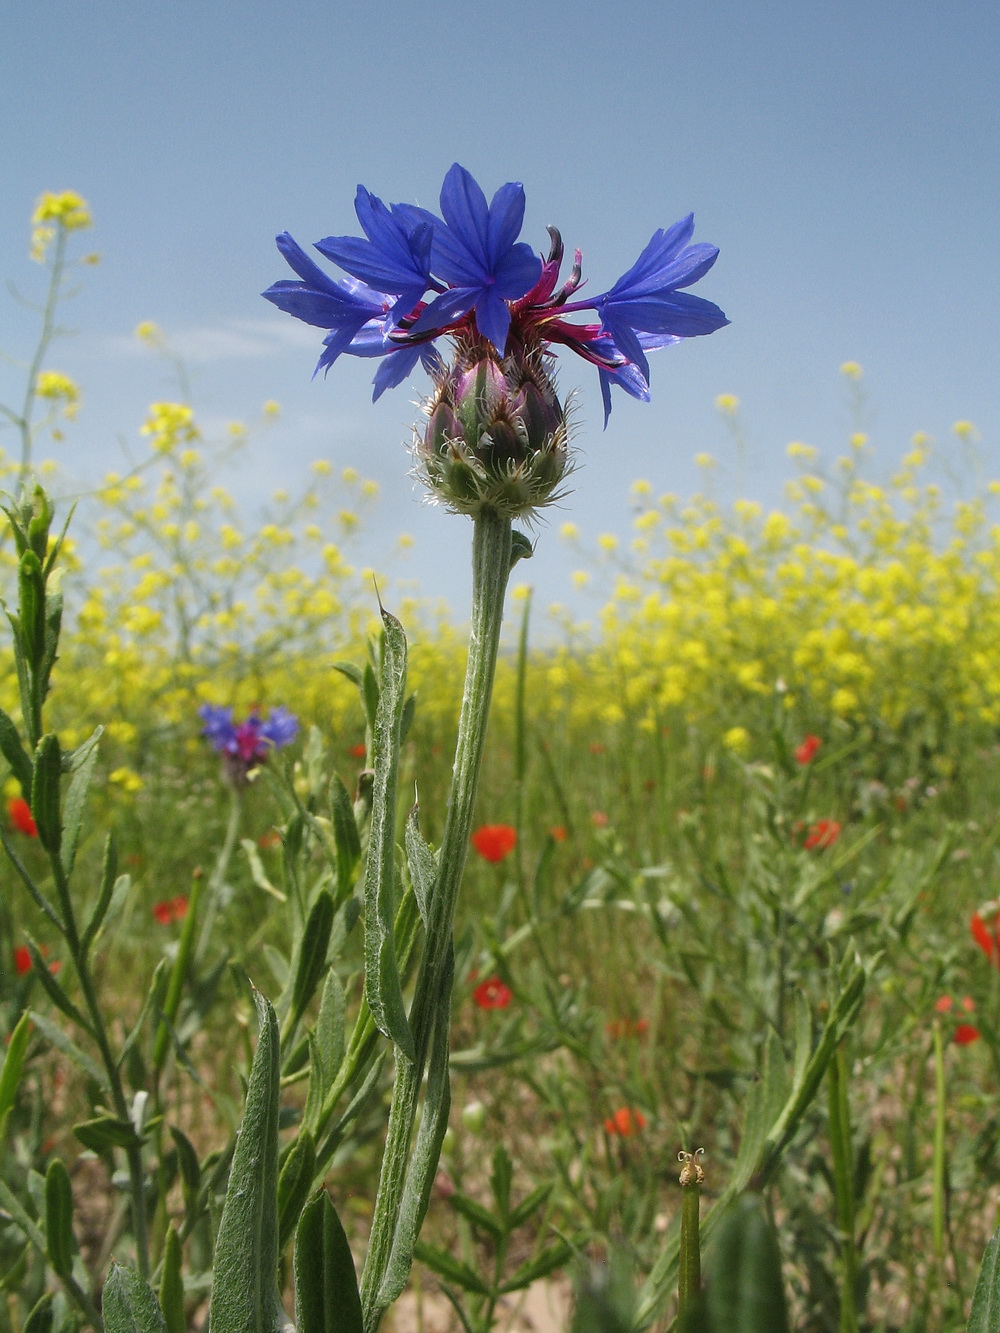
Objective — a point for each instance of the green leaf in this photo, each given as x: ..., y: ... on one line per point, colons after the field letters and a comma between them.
x: 370, y: 693
x: 130, y: 1305
x: 105, y: 1132
x: 245, y: 1295
x: 45, y: 792
x: 746, y: 1293
x: 15, y: 754
x: 447, y: 1266
x: 172, y: 1284
x: 527, y: 1207
x: 383, y: 987
x: 53, y: 624
x: 31, y: 608
x: 53, y: 989
x: 349, y: 670
x: 295, y: 1185
x: 476, y: 1214
x: 60, y: 1243
x: 10, y: 1070
x: 190, y: 1169
x: 40, y: 1318
x: 984, y: 1317
x: 501, y: 1179
x: 421, y: 862
x: 69, y: 1048
x: 326, y: 1283
x: 76, y: 798
x: 346, y: 837
x: 109, y: 875
x: 555, y: 1256
x: 312, y: 953
x: 326, y: 1049
x: 521, y: 547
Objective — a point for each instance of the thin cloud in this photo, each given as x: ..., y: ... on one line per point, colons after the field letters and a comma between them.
x: 233, y: 340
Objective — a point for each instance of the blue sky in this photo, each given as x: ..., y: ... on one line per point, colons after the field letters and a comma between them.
x: 842, y: 156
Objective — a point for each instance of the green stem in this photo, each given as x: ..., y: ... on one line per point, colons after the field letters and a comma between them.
x: 521, y: 746
x: 491, y: 550
x: 843, y: 1181
x: 940, y: 1129
x: 45, y: 338
x: 218, y: 874
x: 175, y: 985
x: 689, y: 1264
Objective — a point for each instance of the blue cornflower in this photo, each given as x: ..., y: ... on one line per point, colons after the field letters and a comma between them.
x: 342, y: 307
x: 246, y: 744
x: 646, y: 298
x: 476, y: 251
x: 395, y: 258
x: 490, y: 292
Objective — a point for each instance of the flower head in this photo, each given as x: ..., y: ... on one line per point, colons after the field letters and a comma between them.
x: 490, y: 292
x: 22, y: 960
x: 19, y: 814
x: 987, y: 937
x: 246, y: 744
x: 494, y: 842
x: 492, y: 994
x: 625, y: 1123
x: 824, y: 833
x: 170, y: 910
x: 965, y: 1034
x: 806, y: 752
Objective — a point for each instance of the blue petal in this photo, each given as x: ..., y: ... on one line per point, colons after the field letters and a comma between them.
x: 517, y: 272
x: 679, y: 313
x: 297, y: 259
x: 662, y: 249
x: 503, y: 226
x: 394, y: 369
x: 446, y: 308
x: 325, y: 310
x: 463, y: 206
x: 493, y: 318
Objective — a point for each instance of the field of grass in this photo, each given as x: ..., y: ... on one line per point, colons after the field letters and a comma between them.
x: 732, y: 889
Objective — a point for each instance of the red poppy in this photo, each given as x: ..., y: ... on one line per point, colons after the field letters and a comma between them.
x: 944, y: 1005
x: 19, y: 813
x: 22, y: 960
x: 492, y: 994
x: 988, y: 941
x: 599, y: 819
x: 627, y: 1027
x: 493, y: 842
x: 625, y: 1123
x: 965, y: 1033
x: 557, y: 833
x: 358, y: 751
x: 272, y: 838
x: 824, y: 833
x: 806, y: 752
x: 171, y: 909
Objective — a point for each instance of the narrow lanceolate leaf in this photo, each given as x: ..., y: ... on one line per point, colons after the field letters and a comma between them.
x: 172, y: 1284
x: 41, y: 1316
x: 129, y: 1304
x: 424, y: 1159
x: 53, y: 989
x: 15, y: 754
x: 53, y: 1033
x: 383, y: 988
x: 295, y: 1185
x: 245, y: 1274
x: 326, y: 1284
x: 10, y: 1070
x: 346, y: 837
x: 553, y: 1257
x: 746, y: 1293
x: 423, y: 866
x: 984, y: 1317
x: 109, y: 874
x: 312, y: 953
x: 60, y: 1242
x: 447, y: 1266
x: 45, y: 792
x: 75, y: 801
x: 31, y: 605
x: 326, y: 1049
x: 105, y: 1132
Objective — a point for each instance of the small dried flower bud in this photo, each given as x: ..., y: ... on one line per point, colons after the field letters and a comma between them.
x: 691, y: 1170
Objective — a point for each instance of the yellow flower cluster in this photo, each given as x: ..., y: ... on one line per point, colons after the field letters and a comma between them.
x: 66, y: 211
x: 59, y: 388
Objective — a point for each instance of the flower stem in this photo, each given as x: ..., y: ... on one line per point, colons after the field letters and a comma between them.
x: 491, y: 551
